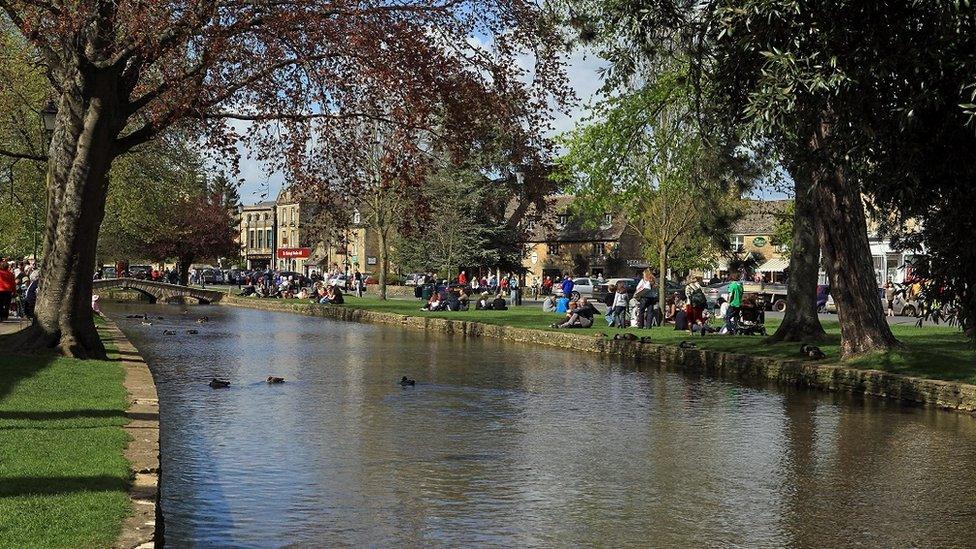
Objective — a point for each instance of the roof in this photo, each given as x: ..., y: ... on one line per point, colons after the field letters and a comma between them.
x: 259, y: 206
x: 760, y: 217
x: 546, y: 227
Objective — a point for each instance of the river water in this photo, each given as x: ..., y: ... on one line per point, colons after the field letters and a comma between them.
x: 501, y: 444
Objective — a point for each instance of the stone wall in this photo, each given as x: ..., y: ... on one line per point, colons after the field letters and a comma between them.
x: 926, y: 392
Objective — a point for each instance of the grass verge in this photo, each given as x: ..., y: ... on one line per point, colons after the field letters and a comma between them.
x: 63, y: 478
x: 934, y: 352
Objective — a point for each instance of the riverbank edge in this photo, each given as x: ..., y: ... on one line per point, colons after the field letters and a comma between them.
x: 826, y: 377
x: 143, y: 529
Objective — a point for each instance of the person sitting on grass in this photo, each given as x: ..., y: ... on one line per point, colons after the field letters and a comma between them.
x: 433, y: 304
x: 336, y: 298
x: 549, y: 304
x: 498, y: 304
x: 703, y: 325
x: 464, y: 301
x: 452, y: 302
x: 579, y: 316
x: 483, y: 304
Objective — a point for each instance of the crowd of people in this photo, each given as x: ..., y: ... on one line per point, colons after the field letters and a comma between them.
x: 19, y: 281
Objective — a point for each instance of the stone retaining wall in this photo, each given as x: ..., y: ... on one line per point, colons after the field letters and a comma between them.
x: 143, y: 529
x: 926, y: 392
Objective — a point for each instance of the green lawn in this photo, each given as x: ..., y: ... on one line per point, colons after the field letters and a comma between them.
x: 63, y: 478
x: 931, y: 352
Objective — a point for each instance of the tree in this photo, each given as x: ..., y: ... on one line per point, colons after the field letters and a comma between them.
x: 226, y: 189
x: 640, y: 153
x: 455, y: 232
x: 295, y: 74
x: 195, y: 227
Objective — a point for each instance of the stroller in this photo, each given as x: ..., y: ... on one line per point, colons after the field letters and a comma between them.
x: 752, y: 316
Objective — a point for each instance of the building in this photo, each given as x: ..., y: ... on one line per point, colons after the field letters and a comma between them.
x: 559, y: 242
x: 294, y: 244
x: 753, y: 234
x: 355, y: 248
x: 257, y: 223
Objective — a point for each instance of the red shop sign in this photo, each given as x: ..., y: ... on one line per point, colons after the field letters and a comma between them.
x: 294, y: 253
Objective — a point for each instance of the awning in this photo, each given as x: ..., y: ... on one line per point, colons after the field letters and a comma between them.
x: 774, y: 266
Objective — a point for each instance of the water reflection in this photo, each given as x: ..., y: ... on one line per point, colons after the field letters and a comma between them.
x: 502, y: 444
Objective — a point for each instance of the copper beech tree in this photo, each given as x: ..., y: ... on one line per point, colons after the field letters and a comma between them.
x: 285, y: 79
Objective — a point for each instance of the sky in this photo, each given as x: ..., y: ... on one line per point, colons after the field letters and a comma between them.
x: 583, y: 70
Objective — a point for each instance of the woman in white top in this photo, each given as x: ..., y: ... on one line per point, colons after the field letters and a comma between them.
x: 619, y: 306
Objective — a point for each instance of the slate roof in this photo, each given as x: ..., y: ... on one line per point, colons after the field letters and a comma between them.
x: 545, y: 228
x: 760, y: 217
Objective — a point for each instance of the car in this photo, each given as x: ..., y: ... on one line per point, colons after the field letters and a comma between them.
x: 582, y: 287
x: 108, y: 272
x: 903, y: 304
x: 142, y: 272
x: 412, y: 279
x: 211, y: 276
x: 341, y: 281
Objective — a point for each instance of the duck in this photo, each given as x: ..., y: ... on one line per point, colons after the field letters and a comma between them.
x: 645, y: 339
x: 192, y: 332
x: 687, y: 345
x: 405, y: 382
x: 626, y: 336
x: 203, y: 319
x: 812, y: 351
x: 169, y: 332
x: 146, y: 323
x: 274, y: 380
x: 219, y: 383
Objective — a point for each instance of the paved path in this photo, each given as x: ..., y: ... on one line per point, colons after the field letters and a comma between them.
x: 13, y: 325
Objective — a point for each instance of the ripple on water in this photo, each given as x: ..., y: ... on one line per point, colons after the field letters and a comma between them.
x: 502, y: 444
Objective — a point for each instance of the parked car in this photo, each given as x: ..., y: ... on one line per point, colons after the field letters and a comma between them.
x: 142, y: 272
x: 108, y: 271
x: 412, y: 279
x: 582, y: 287
x: 903, y: 305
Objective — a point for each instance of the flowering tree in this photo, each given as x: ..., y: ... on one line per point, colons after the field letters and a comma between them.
x: 286, y: 79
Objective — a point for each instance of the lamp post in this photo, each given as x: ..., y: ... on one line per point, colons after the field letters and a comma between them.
x: 49, y: 115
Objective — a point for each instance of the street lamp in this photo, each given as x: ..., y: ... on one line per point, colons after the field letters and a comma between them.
x: 49, y: 115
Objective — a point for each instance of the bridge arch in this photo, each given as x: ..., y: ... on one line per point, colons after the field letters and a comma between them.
x: 159, y: 291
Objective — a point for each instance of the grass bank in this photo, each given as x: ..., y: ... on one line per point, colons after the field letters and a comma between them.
x: 931, y: 352
x: 63, y: 477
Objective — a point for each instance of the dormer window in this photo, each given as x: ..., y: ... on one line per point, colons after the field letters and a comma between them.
x: 357, y: 218
x: 607, y: 221
x: 561, y: 220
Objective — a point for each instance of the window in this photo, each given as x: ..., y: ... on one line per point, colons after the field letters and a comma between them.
x: 292, y: 214
x: 260, y: 239
x: 599, y: 249
x: 554, y: 249
x: 738, y: 243
x: 284, y: 238
x: 250, y: 238
x: 561, y: 220
x: 607, y: 221
x: 265, y: 216
x: 356, y: 217
x: 294, y: 237
x: 269, y: 242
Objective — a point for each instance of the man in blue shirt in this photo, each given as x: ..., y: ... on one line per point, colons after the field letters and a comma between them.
x: 567, y: 286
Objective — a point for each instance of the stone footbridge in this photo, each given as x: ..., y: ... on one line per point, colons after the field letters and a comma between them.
x: 159, y: 291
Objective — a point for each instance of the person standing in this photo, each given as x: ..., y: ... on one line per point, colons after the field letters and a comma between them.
x: 513, y: 287
x: 8, y: 285
x: 358, y: 283
x: 889, y: 293
x: 696, y: 301
x: 645, y: 298
x: 735, y: 300
x: 619, y: 306
x: 567, y: 287
x: 463, y: 279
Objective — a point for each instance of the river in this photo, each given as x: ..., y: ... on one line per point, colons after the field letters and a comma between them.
x: 502, y: 444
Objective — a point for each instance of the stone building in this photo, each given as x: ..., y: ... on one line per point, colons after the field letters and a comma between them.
x: 559, y: 242
x: 257, y: 235
x: 295, y: 240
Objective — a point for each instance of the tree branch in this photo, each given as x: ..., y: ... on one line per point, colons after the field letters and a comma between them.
x: 25, y: 156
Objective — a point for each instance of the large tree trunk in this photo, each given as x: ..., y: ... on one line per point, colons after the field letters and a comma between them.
x: 384, y: 261
x: 80, y: 156
x: 801, y: 323
x: 842, y: 231
x: 184, y: 263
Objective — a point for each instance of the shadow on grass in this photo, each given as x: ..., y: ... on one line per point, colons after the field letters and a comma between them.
x: 49, y: 486
x: 74, y: 414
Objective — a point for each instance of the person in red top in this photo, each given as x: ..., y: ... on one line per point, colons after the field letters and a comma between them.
x: 463, y: 278
x: 7, y: 288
